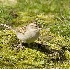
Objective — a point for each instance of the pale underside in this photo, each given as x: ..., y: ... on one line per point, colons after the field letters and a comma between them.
x: 27, y: 36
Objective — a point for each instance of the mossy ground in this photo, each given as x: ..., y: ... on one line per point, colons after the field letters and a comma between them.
x: 51, y: 50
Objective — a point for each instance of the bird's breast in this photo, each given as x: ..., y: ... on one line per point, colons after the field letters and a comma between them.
x: 28, y: 36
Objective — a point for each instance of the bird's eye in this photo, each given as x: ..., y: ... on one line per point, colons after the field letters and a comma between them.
x: 36, y: 26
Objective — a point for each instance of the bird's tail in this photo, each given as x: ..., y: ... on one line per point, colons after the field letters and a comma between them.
x: 7, y: 26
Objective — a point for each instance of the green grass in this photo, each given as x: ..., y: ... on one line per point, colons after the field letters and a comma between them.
x: 54, y: 18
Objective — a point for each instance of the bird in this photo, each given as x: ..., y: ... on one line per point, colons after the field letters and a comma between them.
x: 26, y: 34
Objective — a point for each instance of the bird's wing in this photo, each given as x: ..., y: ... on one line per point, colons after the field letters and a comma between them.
x: 21, y: 29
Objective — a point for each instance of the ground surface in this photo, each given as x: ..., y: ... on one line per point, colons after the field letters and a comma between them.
x: 52, y: 49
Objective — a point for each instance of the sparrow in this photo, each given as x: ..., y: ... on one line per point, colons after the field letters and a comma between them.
x: 26, y: 34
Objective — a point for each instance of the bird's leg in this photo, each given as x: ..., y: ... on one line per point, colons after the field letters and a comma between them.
x: 20, y: 45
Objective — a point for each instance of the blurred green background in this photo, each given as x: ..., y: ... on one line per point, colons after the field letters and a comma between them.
x: 54, y: 18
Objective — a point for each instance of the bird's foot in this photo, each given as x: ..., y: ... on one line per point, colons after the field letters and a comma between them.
x: 20, y: 47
